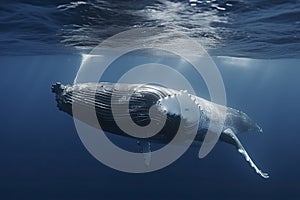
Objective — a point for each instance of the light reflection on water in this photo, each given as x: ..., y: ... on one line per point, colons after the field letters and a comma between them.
x: 239, y: 28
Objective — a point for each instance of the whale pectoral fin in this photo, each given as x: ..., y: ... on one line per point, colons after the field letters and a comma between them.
x: 146, y: 150
x: 243, y: 151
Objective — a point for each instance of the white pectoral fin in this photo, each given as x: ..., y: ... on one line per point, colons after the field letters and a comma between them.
x: 146, y: 150
x: 243, y: 151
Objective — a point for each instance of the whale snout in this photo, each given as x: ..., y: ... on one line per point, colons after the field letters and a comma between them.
x: 57, y: 88
x: 62, y: 97
x: 241, y: 122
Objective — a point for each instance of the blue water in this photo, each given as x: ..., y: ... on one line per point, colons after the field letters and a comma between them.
x: 255, y: 45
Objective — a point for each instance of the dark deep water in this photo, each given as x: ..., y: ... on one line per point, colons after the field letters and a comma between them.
x: 42, y: 155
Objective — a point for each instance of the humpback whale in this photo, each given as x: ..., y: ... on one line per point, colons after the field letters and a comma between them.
x: 97, y: 97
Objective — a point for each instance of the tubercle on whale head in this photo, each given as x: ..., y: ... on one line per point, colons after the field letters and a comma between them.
x: 59, y: 90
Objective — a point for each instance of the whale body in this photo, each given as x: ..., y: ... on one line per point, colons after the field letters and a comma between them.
x: 97, y: 97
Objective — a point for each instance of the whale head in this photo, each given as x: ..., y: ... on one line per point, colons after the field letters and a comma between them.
x: 240, y: 122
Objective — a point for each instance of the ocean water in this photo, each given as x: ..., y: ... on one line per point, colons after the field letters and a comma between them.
x: 255, y: 45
